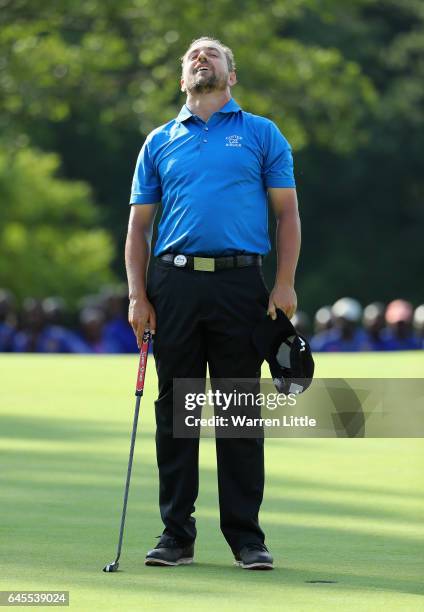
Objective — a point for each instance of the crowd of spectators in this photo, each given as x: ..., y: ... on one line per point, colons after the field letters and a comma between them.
x: 46, y: 326
x: 346, y: 327
x: 101, y: 326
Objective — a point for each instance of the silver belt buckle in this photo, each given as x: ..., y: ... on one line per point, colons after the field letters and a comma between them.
x: 204, y: 264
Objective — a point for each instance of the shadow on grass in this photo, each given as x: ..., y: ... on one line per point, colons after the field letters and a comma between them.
x: 42, y: 428
x: 75, y: 499
x: 69, y: 476
x: 82, y: 568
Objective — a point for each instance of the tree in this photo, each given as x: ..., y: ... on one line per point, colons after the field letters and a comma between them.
x: 49, y: 241
x: 89, y: 80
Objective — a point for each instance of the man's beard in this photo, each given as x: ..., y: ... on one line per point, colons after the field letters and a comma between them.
x: 206, y: 85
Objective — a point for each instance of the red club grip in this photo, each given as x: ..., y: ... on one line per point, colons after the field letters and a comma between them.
x: 142, y: 363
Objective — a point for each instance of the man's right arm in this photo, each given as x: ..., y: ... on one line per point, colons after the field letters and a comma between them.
x: 141, y: 314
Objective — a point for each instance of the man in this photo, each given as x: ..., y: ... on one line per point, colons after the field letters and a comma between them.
x: 211, y: 167
x: 344, y: 336
x: 374, y: 323
x: 116, y: 329
x: 418, y: 323
x: 7, y: 320
x: 399, y: 334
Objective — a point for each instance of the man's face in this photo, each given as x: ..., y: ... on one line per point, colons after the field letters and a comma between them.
x: 205, y: 69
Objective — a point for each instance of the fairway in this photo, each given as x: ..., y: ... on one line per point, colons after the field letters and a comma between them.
x: 339, y: 510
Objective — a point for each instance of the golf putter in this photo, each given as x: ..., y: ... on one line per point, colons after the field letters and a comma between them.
x: 113, y: 567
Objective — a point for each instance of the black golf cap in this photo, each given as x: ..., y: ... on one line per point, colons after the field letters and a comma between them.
x: 287, y: 353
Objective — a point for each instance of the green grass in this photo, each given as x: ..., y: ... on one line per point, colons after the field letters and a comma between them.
x: 334, y: 509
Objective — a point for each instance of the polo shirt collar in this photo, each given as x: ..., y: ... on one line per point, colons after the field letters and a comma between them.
x: 230, y: 107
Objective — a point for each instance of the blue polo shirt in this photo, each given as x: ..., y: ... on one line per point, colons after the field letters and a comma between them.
x: 212, y: 179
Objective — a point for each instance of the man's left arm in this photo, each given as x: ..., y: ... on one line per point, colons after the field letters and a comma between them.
x: 284, y: 205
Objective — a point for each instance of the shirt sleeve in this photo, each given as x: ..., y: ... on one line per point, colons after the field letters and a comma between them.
x: 277, y: 168
x: 146, y: 187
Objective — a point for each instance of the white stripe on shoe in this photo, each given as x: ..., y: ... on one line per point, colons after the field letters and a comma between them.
x: 254, y: 566
x: 152, y: 561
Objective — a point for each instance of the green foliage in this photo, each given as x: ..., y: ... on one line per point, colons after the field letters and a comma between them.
x: 123, y: 61
x: 49, y: 242
x: 90, y: 78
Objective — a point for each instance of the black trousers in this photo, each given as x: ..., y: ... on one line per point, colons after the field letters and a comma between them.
x: 206, y: 319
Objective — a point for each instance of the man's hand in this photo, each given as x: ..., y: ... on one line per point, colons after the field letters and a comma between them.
x: 141, y: 316
x: 282, y: 297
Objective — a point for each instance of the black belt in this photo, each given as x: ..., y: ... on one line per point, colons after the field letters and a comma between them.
x: 210, y: 264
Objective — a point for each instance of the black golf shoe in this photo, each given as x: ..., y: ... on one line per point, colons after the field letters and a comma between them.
x: 170, y: 551
x: 254, y: 557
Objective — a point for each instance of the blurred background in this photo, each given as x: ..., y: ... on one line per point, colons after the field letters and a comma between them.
x: 83, y: 82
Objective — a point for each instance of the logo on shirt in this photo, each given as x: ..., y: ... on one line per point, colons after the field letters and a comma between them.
x: 233, y: 141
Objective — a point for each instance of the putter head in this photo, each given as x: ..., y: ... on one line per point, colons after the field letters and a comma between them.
x: 111, y: 567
